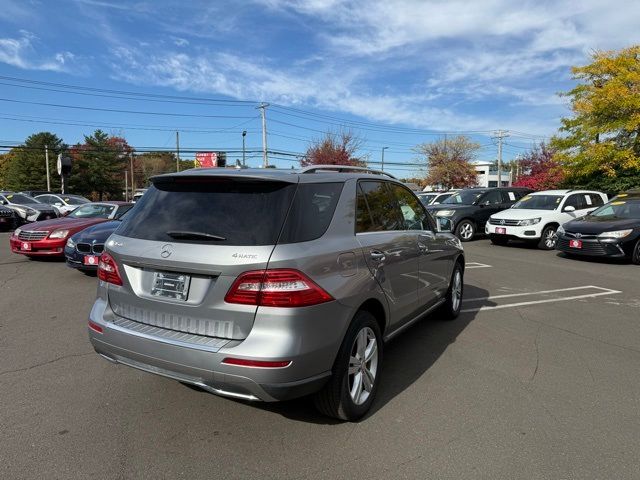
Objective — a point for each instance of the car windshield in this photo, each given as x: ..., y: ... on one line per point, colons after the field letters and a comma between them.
x: 465, y: 197
x: 539, y: 202
x: 75, y: 200
x: 92, y: 210
x: 21, y: 198
x: 622, y: 209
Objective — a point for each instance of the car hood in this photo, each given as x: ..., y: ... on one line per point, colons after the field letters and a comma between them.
x: 98, y: 233
x: 596, y: 225
x: 74, y: 224
x: 520, y: 214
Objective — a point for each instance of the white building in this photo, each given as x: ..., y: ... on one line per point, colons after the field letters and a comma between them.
x: 488, y: 175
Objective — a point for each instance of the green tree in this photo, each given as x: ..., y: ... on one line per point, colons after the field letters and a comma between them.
x: 449, y: 162
x: 99, y: 165
x: 25, y: 166
x: 599, y: 145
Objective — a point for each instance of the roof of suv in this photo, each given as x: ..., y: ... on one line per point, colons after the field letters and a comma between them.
x: 563, y: 192
x: 315, y: 173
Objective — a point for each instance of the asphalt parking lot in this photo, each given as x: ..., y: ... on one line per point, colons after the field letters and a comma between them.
x: 537, y: 379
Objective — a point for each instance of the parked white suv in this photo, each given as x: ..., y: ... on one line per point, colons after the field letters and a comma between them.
x: 537, y: 216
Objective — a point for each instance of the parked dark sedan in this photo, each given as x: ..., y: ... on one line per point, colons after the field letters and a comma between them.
x: 469, y: 209
x: 612, y: 230
x: 83, y: 249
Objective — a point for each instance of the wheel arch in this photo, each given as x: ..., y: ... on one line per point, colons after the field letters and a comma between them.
x: 375, y: 308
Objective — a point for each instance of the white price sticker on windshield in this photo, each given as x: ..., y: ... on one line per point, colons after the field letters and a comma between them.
x: 512, y: 196
x: 588, y: 199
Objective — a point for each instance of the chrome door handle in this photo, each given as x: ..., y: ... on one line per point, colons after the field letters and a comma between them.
x: 377, y: 256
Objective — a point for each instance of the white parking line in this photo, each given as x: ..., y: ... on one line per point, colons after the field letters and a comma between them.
x: 476, y: 265
x: 604, y: 291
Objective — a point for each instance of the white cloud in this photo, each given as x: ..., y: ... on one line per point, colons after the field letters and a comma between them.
x: 20, y: 52
x: 180, y: 42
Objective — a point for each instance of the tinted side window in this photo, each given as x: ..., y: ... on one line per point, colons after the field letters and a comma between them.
x: 383, y: 209
x: 412, y: 212
x: 574, y: 201
x: 311, y: 212
x: 493, y: 197
x: 596, y: 200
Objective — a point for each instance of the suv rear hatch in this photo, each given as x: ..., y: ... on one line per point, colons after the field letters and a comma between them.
x: 185, y: 243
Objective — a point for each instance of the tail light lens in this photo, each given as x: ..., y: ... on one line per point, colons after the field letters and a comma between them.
x: 108, y: 270
x: 241, y: 362
x: 276, y: 288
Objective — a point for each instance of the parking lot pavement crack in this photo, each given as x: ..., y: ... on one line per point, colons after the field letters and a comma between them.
x: 535, y: 371
x: 24, y: 369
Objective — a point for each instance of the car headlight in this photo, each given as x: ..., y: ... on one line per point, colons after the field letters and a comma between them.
x: 59, y: 234
x: 17, y: 231
x: 71, y: 244
x: 529, y: 221
x: 445, y: 213
x: 560, y: 230
x: 615, y: 234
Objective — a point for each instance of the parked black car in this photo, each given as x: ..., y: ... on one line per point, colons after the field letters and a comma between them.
x: 469, y: 209
x: 28, y: 209
x: 83, y: 249
x: 8, y: 219
x: 613, y: 230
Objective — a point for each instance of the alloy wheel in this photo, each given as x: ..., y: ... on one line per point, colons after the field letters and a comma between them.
x: 550, y: 238
x: 363, y: 365
x: 456, y: 291
x: 466, y: 231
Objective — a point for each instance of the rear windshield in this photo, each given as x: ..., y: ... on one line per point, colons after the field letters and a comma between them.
x: 243, y: 213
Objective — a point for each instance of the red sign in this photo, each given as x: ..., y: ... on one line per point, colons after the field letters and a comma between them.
x: 575, y: 243
x: 206, y: 159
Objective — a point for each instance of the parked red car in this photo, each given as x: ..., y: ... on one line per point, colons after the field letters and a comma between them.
x: 49, y: 237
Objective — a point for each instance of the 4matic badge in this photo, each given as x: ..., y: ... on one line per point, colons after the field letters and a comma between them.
x: 251, y: 256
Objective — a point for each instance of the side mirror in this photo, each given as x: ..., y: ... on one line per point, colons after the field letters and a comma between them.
x: 444, y: 225
x: 569, y: 209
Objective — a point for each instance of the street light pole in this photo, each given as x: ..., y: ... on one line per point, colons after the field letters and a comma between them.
x: 244, y: 134
x: 46, y: 159
x: 383, y: 149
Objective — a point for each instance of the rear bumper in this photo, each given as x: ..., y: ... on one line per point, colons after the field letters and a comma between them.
x: 137, y: 345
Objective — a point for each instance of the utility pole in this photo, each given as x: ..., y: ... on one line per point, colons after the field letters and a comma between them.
x: 244, y: 134
x: 126, y: 185
x: 383, y: 149
x: 132, y: 177
x: 46, y: 159
x: 177, y: 151
x: 500, y: 134
x: 265, y: 159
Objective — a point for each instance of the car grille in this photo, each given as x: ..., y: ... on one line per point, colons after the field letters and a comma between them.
x: 32, y: 235
x: 582, y: 236
x: 588, y: 247
x: 498, y: 221
x: 95, y: 248
x: 6, y: 213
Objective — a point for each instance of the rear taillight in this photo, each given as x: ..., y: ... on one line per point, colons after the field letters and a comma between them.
x: 241, y: 362
x: 276, y: 288
x: 95, y: 327
x: 108, y: 270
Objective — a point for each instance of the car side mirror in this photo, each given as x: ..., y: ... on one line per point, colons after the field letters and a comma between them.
x: 444, y: 225
x: 569, y: 208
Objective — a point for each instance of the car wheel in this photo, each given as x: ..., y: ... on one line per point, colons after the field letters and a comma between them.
x: 635, y: 256
x: 453, y: 303
x: 350, y: 391
x: 465, y: 230
x: 548, y: 238
x: 499, y: 240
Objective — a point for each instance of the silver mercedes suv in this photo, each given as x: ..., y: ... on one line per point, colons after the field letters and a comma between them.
x: 273, y: 284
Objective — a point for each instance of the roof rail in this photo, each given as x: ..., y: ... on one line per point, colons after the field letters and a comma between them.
x: 343, y: 168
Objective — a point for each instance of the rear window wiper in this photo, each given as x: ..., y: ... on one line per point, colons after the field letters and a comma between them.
x: 189, y: 235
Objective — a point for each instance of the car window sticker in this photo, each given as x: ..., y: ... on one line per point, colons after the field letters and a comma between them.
x: 618, y: 203
x: 524, y: 199
x: 588, y: 199
x: 512, y: 196
x: 622, y: 195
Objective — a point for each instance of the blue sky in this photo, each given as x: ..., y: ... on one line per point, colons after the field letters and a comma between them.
x: 397, y: 73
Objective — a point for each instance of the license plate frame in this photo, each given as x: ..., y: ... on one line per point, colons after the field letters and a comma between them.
x: 91, y: 260
x: 575, y: 244
x: 170, y: 285
x: 501, y: 230
x: 25, y: 247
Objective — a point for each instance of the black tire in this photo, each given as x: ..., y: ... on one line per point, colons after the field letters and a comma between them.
x: 635, y: 255
x: 466, y: 230
x: 544, y: 243
x: 335, y: 400
x: 451, y: 308
x: 497, y: 240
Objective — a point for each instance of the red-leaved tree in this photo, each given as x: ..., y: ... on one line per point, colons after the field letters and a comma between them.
x: 334, y: 149
x: 539, y: 170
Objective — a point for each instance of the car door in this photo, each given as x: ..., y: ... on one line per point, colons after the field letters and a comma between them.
x: 491, y: 202
x: 390, y: 251
x: 434, y: 264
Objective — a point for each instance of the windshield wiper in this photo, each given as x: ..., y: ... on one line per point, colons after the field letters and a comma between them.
x: 188, y: 235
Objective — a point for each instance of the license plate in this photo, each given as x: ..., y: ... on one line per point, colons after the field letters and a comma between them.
x: 575, y: 243
x: 26, y: 246
x: 501, y: 230
x: 91, y: 260
x: 171, y: 285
